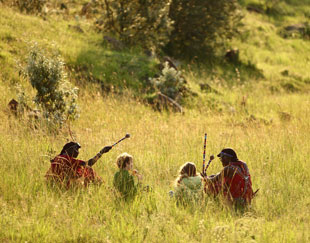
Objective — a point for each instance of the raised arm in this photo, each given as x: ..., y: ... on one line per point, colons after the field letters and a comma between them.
x: 93, y: 160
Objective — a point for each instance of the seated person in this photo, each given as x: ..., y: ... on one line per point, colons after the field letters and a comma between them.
x: 234, y: 181
x: 188, y: 185
x: 124, y: 179
x: 66, y: 170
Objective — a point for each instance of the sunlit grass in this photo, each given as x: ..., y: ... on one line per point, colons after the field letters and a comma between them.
x: 270, y: 131
x: 276, y: 154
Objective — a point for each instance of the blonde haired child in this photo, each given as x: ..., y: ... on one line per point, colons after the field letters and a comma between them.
x: 124, y: 181
x: 188, y: 185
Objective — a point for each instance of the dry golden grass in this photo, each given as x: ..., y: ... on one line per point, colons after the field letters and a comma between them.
x: 276, y: 153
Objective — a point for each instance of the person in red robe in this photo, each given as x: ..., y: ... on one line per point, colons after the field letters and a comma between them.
x: 233, y: 182
x: 66, y: 170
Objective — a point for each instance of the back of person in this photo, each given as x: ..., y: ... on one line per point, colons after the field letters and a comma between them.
x: 65, y: 169
x: 189, y: 189
x: 124, y: 183
x: 192, y: 183
x: 188, y: 186
x: 239, y: 187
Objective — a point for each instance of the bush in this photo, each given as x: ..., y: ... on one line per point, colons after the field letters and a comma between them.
x: 187, y: 29
x: 28, y: 6
x: 143, y: 22
x: 55, y: 95
x: 171, y: 83
x: 201, y: 27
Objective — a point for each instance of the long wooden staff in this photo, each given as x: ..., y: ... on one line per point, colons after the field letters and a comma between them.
x: 204, y: 154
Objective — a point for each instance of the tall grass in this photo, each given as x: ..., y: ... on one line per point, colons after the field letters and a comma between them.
x: 276, y: 154
x: 270, y: 131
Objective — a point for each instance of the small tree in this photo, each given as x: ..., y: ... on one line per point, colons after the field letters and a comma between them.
x: 55, y: 95
x: 143, y: 22
x: 171, y: 83
x: 201, y: 27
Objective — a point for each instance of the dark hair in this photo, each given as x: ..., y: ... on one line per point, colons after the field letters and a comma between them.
x: 69, y: 146
x: 230, y: 153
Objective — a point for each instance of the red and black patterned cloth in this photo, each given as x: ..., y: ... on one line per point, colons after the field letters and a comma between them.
x: 68, y: 171
x: 236, y: 186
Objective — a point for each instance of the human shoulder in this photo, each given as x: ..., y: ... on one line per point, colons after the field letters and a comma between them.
x: 116, y: 173
x: 61, y: 159
x: 229, y: 171
x: 65, y: 157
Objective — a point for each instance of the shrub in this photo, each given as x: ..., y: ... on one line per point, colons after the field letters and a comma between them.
x: 28, y: 6
x: 55, y: 95
x: 201, y: 27
x: 143, y: 22
x: 171, y: 83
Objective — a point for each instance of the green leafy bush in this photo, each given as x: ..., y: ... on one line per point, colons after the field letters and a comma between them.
x: 201, y: 28
x: 143, y: 22
x: 171, y: 83
x: 55, y: 95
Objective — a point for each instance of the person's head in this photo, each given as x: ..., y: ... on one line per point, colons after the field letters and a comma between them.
x: 188, y: 169
x: 71, y: 149
x: 227, y: 155
x: 125, y: 161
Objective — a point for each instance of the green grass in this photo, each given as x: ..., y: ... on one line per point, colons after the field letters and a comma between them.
x: 263, y: 46
x: 268, y: 129
x: 81, y: 51
x: 277, y: 156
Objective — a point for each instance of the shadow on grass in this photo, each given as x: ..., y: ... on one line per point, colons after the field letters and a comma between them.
x: 232, y: 73
x: 115, y: 70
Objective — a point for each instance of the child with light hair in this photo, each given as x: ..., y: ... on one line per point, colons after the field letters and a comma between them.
x: 124, y: 181
x: 188, y: 185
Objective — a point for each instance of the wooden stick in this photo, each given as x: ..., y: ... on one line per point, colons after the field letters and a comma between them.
x: 126, y: 136
x: 204, y: 154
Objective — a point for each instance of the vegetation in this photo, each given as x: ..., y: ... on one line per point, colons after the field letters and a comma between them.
x: 28, y: 6
x: 201, y: 28
x: 171, y: 83
x: 55, y: 95
x: 144, y: 22
x: 258, y: 105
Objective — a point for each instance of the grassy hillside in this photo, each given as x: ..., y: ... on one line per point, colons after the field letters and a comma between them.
x: 284, y: 61
x: 254, y: 111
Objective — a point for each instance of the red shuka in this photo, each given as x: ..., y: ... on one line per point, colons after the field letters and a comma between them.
x: 239, y: 186
x: 64, y: 169
x: 235, y: 187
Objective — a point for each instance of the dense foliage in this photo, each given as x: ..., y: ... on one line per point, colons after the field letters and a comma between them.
x: 55, y: 95
x: 143, y: 22
x: 201, y: 27
x: 185, y: 28
x: 28, y: 6
x: 171, y: 83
